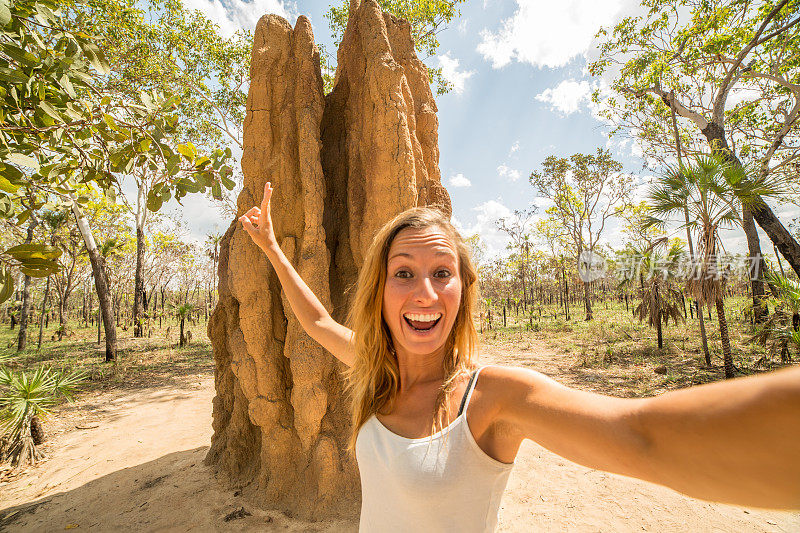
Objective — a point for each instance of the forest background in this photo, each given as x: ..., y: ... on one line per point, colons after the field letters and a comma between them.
x: 666, y: 139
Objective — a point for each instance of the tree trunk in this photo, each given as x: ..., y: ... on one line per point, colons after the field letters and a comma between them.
x: 100, y: 282
x: 22, y: 339
x: 586, y: 302
x: 138, y: 284
x: 44, y: 312
x: 757, y: 265
x: 726, y: 343
x: 659, y: 333
x: 182, y: 340
x: 761, y: 212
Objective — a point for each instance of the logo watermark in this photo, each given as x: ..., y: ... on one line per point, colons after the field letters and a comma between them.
x: 592, y: 266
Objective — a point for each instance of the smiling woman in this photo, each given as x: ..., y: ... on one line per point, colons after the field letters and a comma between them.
x: 411, y: 353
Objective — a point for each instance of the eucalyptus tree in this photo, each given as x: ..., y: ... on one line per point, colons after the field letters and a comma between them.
x: 63, y: 126
x: 729, y: 69
x: 185, y: 55
x: 586, y: 191
x: 556, y: 238
x: 72, y: 262
x: 517, y: 227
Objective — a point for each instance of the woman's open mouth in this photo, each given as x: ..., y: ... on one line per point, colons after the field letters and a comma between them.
x: 422, y: 321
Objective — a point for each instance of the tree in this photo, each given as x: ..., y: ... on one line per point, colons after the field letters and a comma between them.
x: 705, y: 189
x: 644, y: 236
x: 586, y: 190
x: 782, y: 330
x: 185, y: 56
x: 63, y: 126
x: 427, y: 19
x: 660, y: 295
x: 24, y: 399
x: 182, y: 311
x: 72, y: 262
x: 728, y: 68
x: 517, y: 228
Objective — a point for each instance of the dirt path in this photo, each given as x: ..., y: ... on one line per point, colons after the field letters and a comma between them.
x: 141, y: 469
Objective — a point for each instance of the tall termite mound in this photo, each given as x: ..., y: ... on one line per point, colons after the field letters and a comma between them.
x: 342, y: 165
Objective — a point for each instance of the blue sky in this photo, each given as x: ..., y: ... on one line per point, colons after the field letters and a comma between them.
x: 521, y: 94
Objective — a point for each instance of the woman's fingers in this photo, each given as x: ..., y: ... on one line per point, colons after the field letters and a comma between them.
x: 248, y: 226
x: 254, y: 211
x: 267, y: 196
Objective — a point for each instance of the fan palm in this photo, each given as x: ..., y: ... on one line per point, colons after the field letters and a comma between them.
x: 660, y: 294
x: 182, y: 311
x: 27, y: 398
x: 708, y: 188
x: 782, y: 330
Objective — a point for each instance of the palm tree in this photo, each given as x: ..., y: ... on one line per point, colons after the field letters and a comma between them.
x: 708, y: 190
x: 182, y: 311
x: 782, y: 329
x: 24, y: 400
x: 658, y: 288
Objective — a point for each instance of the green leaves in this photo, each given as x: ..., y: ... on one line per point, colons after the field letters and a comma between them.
x: 5, y: 13
x: 35, y: 260
x: 6, y: 284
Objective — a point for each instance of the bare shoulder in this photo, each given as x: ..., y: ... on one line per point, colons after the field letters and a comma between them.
x: 504, y: 386
x: 503, y: 383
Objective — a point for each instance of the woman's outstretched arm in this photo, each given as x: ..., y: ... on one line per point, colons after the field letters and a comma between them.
x: 313, y: 316
x: 736, y: 441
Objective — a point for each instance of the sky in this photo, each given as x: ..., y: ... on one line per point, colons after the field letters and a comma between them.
x: 521, y: 93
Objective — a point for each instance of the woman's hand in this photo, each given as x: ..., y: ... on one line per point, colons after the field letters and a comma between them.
x: 257, y: 222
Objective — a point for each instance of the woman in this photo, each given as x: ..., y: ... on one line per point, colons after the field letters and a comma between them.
x: 435, y: 444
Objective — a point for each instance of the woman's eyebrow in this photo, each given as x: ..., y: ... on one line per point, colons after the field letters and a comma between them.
x: 438, y: 253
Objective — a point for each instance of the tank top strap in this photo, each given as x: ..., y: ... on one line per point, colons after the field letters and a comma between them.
x: 468, y: 392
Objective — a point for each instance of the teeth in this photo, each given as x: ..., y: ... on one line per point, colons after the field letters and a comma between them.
x: 423, y: 318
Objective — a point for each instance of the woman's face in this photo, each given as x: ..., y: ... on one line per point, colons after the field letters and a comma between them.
x: 423, y: 290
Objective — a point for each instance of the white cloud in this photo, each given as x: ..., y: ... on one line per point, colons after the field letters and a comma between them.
x: 487, y: 214
x: 568, y: 96
x: 452, y: 74
x: 459, y: 181
x: 462, y: 27
x: 233, y: 15
x: 514, y: 148
x: 547, y: 34
x: 510, y: 173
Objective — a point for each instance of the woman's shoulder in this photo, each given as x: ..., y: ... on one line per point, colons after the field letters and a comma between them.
x: 498, y: 384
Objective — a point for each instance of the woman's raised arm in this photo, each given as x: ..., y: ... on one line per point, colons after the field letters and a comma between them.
x: 736, y: 441
x: 313, y: 316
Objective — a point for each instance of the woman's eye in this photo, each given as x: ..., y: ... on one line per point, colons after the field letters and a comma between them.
x: 402, y: 274
x: 443, y: 273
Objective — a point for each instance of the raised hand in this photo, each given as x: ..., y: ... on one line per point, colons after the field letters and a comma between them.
x: 257, y: 222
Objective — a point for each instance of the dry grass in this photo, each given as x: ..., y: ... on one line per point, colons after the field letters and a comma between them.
x: 616, y: 354
x: 140, y: 362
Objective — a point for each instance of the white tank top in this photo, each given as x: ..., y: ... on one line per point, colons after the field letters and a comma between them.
x: 431, y: 483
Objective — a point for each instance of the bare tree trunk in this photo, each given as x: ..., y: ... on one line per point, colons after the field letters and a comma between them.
x: 138, y: 289
x: 659, y: 333
x: 22, y: 339
x: 586, y: 302
x: 44, y: 312
x: 726, y: 343
x: 757, y: 264
x: 100, y: 282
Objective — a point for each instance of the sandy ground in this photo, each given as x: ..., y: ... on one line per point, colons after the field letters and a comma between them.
x: 136, y: 464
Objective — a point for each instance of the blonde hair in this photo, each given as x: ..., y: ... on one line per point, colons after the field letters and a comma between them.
x: 374, y: 379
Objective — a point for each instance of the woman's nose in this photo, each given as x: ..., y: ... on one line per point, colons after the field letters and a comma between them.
x: 424, y: 292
